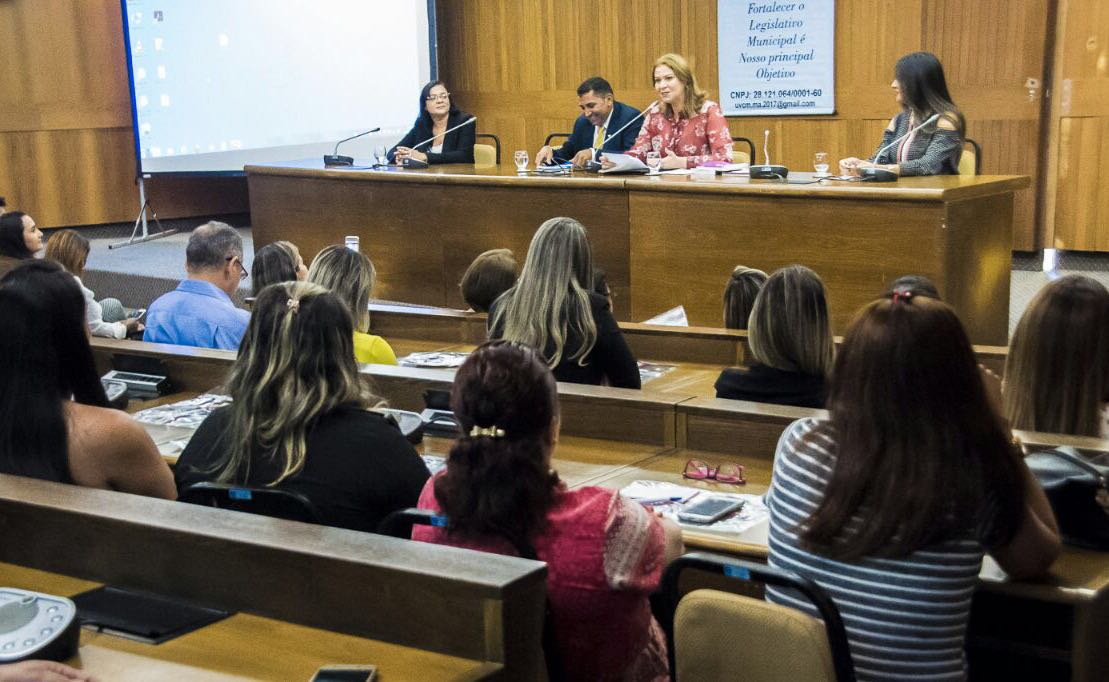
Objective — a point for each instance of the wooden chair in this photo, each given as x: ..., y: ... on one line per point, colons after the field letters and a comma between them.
x: 775, y: 642
x: 970, y: 163
x: 487, y: 154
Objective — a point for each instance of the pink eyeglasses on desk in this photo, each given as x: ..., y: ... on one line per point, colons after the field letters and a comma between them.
x: 697, y: 470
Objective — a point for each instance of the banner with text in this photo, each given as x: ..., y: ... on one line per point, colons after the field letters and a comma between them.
x: 776, y: 57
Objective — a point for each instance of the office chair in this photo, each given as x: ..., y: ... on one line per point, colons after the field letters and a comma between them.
x: 487, y: 154
x: 970, y: 163
x: 281, y: 504
x: 712, y: 635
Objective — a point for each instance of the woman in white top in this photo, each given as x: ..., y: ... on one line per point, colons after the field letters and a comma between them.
x: 1057, y: 370
x: 105, y: 318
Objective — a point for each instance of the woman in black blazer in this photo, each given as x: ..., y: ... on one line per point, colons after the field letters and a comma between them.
x: 437, y: 115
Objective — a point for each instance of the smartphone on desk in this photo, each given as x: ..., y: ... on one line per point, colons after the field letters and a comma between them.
x: 346, y: 673
x: 709, y: 510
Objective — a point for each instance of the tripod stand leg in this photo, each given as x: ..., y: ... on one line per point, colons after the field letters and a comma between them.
x: 141, y: 220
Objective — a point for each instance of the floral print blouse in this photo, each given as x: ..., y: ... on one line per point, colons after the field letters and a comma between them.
x: 704, y: 137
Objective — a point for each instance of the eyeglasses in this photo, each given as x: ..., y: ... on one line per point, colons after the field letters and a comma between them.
x: 439, y: 98
x: 242, y: 268
x: 732, y: 474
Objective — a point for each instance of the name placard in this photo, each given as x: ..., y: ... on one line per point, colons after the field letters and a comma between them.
x: 776, y: 57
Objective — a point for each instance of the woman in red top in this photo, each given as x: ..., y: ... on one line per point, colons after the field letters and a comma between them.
x: 690, y: 128
x: 604, y: 553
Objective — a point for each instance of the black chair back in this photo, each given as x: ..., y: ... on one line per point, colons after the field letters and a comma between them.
x: 747, y: 571
x: 281, y: 504
x: 750, y: 147
x: 977, y: 154
x: 553, y: 136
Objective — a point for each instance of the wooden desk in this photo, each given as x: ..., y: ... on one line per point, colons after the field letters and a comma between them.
x: 423, y: 228
x: 241, y: 647
x: 664, y: 240
x: 468, y: 605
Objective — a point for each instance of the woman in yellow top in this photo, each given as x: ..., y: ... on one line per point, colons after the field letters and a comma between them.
x: 351, y: 275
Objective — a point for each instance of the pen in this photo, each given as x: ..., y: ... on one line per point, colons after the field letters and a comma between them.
x: 660, y: 501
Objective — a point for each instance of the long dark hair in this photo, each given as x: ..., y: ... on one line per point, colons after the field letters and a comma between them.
x: 501, y: 485
x: 924, y: 88
x: 11, y: 236
x: 1057, y: 370
x: 425, y: 117
x: 273, y: 263
x: 62, y: 306
x: 739, y: 295
x: 32, y: 416
x: 922, y: 455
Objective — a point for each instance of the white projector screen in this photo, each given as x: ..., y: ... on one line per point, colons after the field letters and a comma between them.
x: 218, y: 84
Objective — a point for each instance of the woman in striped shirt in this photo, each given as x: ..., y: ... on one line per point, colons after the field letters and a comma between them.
x: 891, y: 502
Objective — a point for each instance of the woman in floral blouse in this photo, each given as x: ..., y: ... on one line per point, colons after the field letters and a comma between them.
x: 685, y: 127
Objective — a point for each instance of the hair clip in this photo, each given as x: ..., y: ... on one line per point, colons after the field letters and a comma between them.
x: 293, y: 304
x: 491, y: 431
x: 902, y: 295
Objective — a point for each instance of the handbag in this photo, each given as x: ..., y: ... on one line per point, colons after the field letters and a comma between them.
x: 1079, y: 494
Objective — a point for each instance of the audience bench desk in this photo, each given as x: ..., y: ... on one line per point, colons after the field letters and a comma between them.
x: 306, y: 595
x: 663, y: 241
x: 612, y: 437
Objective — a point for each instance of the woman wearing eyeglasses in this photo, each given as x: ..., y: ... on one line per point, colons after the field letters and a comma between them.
x: 438, y: 114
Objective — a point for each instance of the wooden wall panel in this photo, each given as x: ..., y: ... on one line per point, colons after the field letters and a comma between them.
x: 66, y: 146
x: 516, y: 65
x: 1080, y: 127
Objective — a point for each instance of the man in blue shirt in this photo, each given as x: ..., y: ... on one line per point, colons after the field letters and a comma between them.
x: 199, y: 312
x: 601, y: 127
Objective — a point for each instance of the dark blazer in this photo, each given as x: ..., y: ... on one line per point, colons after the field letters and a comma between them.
x: 582, y: 137
x: 458, y: 147
x: 933, y: 151
x: 762, y: 384
x: 610, y: 360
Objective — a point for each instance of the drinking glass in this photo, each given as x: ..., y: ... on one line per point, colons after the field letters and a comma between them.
x: 521, y: 159
x: 380, y: 155
x: 820, y: 164
x: 654, y: 161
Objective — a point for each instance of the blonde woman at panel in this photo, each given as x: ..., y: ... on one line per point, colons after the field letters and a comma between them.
x: 554, y: 309
x: 351, y: 275
x: 686, y: 128
x: 1057, y: 371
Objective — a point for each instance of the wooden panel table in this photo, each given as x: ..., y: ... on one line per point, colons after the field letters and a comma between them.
x: 423, y: 228
x: 663, y: 241
x: 687, y: 236
x: 242, y: 647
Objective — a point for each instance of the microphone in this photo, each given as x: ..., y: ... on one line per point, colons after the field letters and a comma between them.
x: 413, y: 163
x: 595, y: 165
x: 335, y: 159
x: 872, y: 174
x: 767, y: 171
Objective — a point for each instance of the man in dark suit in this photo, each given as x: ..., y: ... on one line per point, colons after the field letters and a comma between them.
x: 601, y: 115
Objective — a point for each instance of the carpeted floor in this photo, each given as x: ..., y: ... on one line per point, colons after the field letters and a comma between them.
x: 138, y: 274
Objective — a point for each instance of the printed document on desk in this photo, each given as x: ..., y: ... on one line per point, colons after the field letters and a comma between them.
x: 624, y: 163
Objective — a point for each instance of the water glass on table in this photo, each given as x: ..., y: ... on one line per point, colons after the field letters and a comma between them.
x: 654, y: 162
x: 380, y: 155
x: 521, y: 159
x: 820, y: 164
